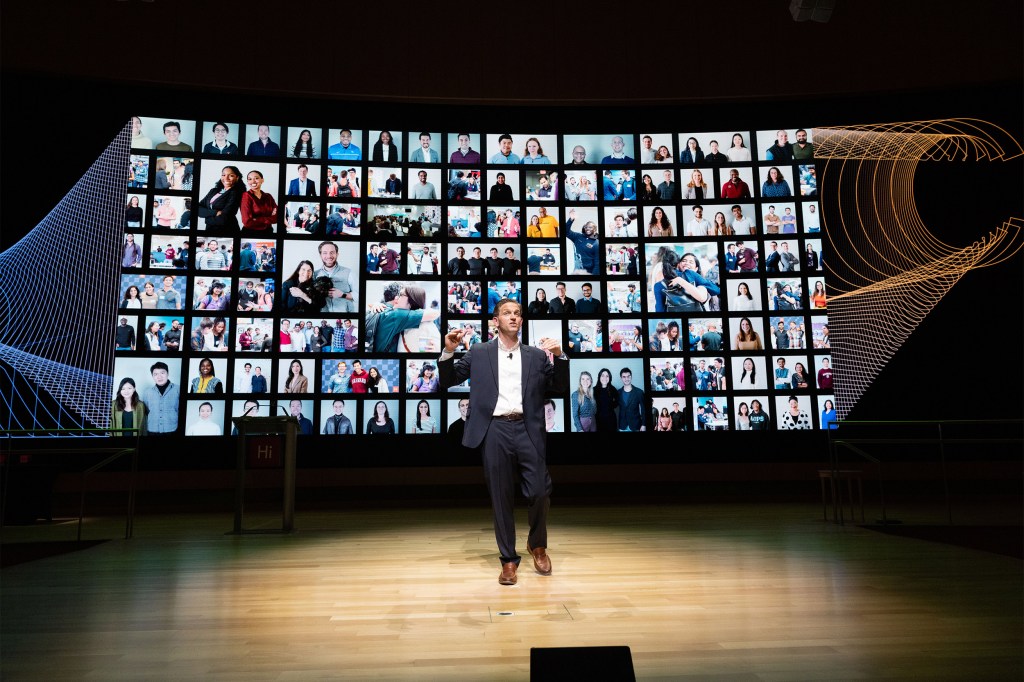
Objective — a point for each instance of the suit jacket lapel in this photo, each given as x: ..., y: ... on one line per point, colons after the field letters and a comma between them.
x: 527, y: 375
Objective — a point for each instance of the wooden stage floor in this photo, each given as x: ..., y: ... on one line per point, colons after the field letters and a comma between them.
x: 697, y: 592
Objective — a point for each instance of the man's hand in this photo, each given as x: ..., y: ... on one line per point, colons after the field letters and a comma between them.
x: 553, y: 346
x: 453, y: 338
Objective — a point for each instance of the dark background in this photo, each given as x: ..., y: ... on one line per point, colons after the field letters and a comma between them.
x: 68, y: 90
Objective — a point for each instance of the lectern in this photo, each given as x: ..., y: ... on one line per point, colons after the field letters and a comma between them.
x: 280, y: 425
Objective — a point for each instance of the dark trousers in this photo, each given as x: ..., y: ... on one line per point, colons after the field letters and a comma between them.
x: 511, y: 462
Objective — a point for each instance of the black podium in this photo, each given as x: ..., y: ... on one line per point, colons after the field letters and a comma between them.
x: 268, y: 455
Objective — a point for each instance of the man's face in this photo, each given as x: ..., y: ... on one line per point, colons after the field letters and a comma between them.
x: 714, y: 147
x: 175, y: 325
x: 561, y: 291
x: 617, y: 144
x: 782, y: 136
x: 698, y: 212
x: 542, y: 212
x: 549, y: 411
x: 342, y: 367
x: 618, y: 221
x: 172, y: 133
x: 508, y: 318
x: 506, y: 146
x: 263, y: 132
x: 587, y: 291
x: 501, y: 179
x: 249, y: 286
x: 248, y: 368
x: 801, y: 137
x: 425, y: 141
x: 494, y: 253
x: 668, y: 176
x: 160, y: 377
x: 464, y: 142
x: 346, y: 138
x: 211, y: 245
x: 329, y: 255
x: 579, y: 154
x: 464, y: 408
x: 476, y: 253
x: 296, y: 408
x: 734, y: 176
x: 647, y: 142
x: 785, y: 246
x: 423, y: 177
x: 259, y: 371
x: 627, y: 378
x: 303, y: 172
x: 339, y: 407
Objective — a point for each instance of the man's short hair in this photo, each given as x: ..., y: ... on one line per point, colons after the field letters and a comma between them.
x: 301, y: 166
x: 504, y: 136
x: 159, y: 365
x: 172, y: 124
x: 502, y: 302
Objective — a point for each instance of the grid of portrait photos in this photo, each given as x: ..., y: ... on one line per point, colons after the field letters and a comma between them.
x: 271, y: 268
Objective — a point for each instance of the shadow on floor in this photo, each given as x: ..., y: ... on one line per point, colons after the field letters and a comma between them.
x: 12, y: 553
x: 1005, y: 540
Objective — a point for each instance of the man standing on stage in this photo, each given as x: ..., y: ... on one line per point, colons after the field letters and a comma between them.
x: 509, y: 383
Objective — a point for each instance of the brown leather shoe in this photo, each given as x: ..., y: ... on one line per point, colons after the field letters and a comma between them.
x: 508, y: 574
x: 541, y: 561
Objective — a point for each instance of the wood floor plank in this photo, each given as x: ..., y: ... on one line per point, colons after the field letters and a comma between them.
x: 709, y: 592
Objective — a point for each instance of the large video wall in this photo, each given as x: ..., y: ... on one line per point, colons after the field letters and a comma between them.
x: 272, y: 269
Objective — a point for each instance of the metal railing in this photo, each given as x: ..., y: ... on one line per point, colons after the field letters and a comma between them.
x: 838, y: 440
x: 83, y: 438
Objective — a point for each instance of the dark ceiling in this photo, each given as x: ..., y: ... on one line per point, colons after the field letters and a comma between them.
x: 521, y: 52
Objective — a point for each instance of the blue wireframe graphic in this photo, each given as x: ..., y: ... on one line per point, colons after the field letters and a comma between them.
x: 56, y: 350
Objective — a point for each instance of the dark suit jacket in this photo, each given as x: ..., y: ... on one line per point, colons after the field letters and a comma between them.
x: 293, y: 188
x: 480, y: 366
